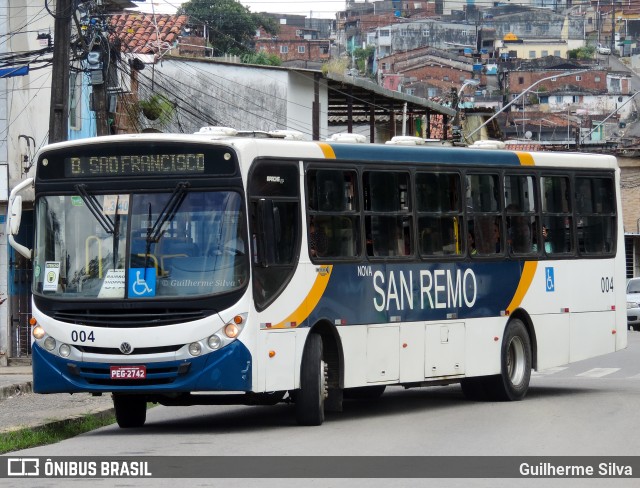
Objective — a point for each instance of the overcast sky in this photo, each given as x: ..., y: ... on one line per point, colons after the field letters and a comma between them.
x: 316, y: 8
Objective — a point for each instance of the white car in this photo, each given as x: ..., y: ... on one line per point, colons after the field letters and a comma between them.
x: 603, y: 49
x: 633, y: 304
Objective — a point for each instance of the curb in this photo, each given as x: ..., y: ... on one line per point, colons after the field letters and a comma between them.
x: 101, y: 414
x: 18, y: 389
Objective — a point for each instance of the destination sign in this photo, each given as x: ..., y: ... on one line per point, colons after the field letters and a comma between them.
x: 135, y: 165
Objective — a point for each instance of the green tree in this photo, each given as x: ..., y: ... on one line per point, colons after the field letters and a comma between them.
x: 362, y: 56
x: 586, y: 52
x: 231, y: 26
x: 261, y: 58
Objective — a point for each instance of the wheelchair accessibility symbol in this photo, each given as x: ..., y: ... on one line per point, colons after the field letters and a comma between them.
x: 142, y: 283
x: 549, y: 279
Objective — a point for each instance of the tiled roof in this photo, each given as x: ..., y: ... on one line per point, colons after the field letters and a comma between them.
x: 138, y: 32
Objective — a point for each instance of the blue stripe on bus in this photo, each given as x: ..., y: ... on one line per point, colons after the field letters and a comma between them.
x: 417, y: 292
x: 228, y: 369
x: 448, y: 155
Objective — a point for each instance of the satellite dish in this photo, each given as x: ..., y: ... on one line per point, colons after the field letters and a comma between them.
x: 528, y: 134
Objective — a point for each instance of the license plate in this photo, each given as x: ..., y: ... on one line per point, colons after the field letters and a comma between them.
x: 128, y: 372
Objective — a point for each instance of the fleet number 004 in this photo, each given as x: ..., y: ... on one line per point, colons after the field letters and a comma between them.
x: 82, y: 336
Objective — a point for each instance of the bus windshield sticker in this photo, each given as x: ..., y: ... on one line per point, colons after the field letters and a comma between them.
x: 113, y: 284
x: 76, y: 201
x: 51, y: 275
x: 142, y: 283
x: 113, y: 202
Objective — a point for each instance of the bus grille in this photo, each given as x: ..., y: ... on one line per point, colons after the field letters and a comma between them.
x: 137, y: 351
x: 121, y: 319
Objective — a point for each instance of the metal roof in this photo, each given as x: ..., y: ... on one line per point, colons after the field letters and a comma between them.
x: 365, y: 94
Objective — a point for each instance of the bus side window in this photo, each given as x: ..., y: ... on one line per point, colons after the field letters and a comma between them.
x: 596, y: 215
x: 438, y: 198
x: 557, y: 217
x: 484, y: 212
x: 333, y: 214
x: 388, y: 223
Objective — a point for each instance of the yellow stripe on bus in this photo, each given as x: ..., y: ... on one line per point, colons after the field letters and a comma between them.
x: 528, y: 273
x: 310, y: 301
x: 327, y: 150
x: 526, y: 159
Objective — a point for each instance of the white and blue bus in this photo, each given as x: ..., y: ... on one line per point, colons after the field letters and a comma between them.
x: 198, y: 269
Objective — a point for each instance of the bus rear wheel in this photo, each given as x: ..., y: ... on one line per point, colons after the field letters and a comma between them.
x: 313, y: 384
x: 131, y: 410
x: 512, y: 383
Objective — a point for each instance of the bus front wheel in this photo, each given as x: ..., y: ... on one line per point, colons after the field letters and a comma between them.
x: 131, y: 410
x: 515, y: 364
x: 313, y: 384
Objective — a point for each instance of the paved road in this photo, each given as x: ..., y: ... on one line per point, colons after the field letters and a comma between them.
x: 589, y: 408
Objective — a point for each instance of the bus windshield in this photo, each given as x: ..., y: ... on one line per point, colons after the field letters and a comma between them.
x: 139, y: 245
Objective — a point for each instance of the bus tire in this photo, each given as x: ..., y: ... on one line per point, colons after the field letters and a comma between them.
x: 313, y: 384
x: 131, y: 410
x: 512, y: 383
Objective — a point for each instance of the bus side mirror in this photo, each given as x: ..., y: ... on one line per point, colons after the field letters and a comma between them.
x: 267, y: 233
x: 16, y: 216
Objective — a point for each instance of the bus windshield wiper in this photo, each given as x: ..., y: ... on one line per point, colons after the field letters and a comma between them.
x: 94, y: 207
x: 168, y: 212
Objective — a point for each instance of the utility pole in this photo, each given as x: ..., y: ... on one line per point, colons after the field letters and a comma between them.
x: 59, y: 110
x: 613, y: 26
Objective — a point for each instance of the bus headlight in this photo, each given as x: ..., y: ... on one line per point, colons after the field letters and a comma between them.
x: 49, y: 343
x: 231, y: 330
x: 195, y: 349
x: 38, y: 332
x: 64, y: 350
x: 214, y: 342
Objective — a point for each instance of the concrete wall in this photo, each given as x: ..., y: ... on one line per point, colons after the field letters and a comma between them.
x: 240, y: 96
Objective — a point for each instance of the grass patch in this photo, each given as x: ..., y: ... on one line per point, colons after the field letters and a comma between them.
x: 52, y: 433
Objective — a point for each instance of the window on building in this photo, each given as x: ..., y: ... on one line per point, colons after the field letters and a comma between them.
x: 425, y: 32
x: 527, y: 28
x: 556, y: 53
x: 520, y: 80
x: 578, y: 78
x: 615, y: 85
x: 596, y: 79
x: 545, y: 53
x: 324, y: 49
x: 532, y: 55
x: 385, y: 33
x: 301, y: 49
x: 559, y: 98
x: 284, y: 49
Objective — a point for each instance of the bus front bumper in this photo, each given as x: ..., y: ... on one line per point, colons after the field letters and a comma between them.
x: 228, y: 369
